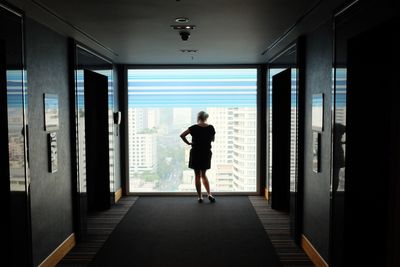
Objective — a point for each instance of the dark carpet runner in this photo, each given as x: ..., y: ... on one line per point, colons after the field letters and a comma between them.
x: 178, y: 231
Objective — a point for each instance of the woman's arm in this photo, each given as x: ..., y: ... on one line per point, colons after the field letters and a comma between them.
x: 183, y: 136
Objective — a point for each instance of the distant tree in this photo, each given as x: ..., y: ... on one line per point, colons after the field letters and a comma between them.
x: 166, y: 152
x: 149, y: 176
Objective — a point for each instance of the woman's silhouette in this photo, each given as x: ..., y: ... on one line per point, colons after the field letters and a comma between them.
x: 200, y: 154
x: 339, y: 161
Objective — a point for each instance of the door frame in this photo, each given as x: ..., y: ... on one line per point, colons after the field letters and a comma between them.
x: 79, y: 201
x: 4, y: 133
x: 296, y: 214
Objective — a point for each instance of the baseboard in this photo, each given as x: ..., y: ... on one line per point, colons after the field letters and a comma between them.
x: 56, y: 256
x: 266, y: 193
x: 118, y: 195
x: 312, y: 253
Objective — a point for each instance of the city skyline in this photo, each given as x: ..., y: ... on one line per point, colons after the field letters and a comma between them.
x: 157, y: 155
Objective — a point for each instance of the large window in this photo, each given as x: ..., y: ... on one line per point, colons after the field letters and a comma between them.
x: 163, y: 103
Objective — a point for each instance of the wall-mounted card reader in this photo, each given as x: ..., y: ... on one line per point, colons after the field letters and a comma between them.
x: 117, y: 117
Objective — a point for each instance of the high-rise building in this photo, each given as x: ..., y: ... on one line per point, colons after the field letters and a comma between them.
x: 222, y: 120
x: 187, y: 183
x: 195, y: 111
x: 143, y: 153
x: 244, y: 147
x: 142, y: 144
x: 182, y: 117
x: 223, y: 177
x: 153, y: 118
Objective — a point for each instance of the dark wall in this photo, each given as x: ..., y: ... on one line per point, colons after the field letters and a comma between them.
x: 117, y: 136
x: 51, y: 198
x: 317, y: 185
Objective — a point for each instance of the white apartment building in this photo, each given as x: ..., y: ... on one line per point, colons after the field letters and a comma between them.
x: 143, y: 152
x: 222, y: 120
x: 142, y: 146
x: 221, y: 164
x: 187, y: 184
x: 224, y: 177
x: 181, y: 117
x: 244, y: 149
x: 153, y: 118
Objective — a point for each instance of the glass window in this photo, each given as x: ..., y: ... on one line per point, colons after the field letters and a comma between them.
x: 164, y: 103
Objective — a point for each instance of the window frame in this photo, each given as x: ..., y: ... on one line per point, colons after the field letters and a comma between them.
x: 260, y: 127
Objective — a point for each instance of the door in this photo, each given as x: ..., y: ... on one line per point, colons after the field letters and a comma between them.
x: 97, y: 141
x: 4, y: 164
x: 15, y: 219
x: 373, y: 146
x: 281, y: 118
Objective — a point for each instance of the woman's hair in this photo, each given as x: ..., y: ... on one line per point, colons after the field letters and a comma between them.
x: 202, y: 116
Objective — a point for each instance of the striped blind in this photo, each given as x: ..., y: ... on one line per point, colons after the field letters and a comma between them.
x: 15, y: 88
x: 192, y: 88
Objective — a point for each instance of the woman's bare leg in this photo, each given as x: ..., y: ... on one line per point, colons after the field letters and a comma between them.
x: 205, y: 181
x: 197, y: 175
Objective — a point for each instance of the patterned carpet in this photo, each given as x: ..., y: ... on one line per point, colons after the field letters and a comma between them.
x: 100, y: 226
x: 276, y: 224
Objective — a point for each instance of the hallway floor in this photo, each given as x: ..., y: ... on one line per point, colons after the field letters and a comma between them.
x: 178, y: 231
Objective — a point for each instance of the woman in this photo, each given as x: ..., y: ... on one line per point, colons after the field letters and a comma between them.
x: 200, y: 154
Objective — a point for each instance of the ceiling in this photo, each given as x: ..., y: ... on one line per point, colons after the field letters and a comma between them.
x: 139, y: 31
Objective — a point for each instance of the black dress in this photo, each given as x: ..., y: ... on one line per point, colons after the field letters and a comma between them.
x: 200, y: 154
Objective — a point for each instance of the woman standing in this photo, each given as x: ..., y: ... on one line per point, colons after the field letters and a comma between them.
x: 200, y: 154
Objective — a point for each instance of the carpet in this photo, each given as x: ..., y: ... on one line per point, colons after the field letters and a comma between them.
x: 178, y: 231
x: 100, y: 226
x: 277, y: 225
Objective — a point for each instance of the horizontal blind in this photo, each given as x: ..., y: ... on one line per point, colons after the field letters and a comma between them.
x: 14, y: 88
x: 192, y: 87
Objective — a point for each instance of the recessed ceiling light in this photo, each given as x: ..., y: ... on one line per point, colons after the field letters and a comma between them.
x: 182, y: 20
x: 189, y: 50
x: 183, y: 27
